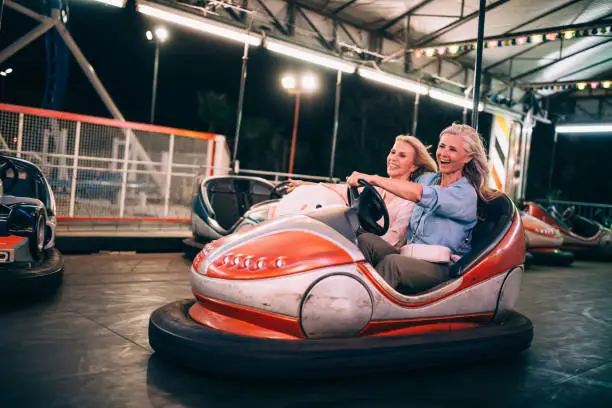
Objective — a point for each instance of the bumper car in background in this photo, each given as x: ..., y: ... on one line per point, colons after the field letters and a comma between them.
x: 29, y: 260
x: 544, y: 243
x: 295, y: 297
x: 587, y: 239
x: 227, y: 204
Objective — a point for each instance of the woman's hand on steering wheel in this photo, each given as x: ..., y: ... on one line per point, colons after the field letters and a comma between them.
x: 353, y: 179
x: 370, y: 208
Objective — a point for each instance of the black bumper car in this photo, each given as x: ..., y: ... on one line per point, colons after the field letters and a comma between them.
x: 29, y: 260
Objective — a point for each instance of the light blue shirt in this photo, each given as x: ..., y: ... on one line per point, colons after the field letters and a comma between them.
x: 445, y: 215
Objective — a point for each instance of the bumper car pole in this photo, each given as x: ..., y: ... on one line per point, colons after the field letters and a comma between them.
x: 478, y: 63
x: 335, y: 130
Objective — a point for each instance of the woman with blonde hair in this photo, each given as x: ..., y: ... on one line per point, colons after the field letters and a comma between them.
x: 446, y: 212
x: 408, y: 160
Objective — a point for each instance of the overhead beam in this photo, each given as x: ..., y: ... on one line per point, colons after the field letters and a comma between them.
x: 438, y: 33
x: 275, y: 21
x: 585, y: 68
x: 541, y: 67
x: 518, y: 54
x: 345, y: 5
x: 314, y: 28
x: 397, y: 19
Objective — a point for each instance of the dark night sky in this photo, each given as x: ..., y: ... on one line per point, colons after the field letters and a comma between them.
x: 114, y: 42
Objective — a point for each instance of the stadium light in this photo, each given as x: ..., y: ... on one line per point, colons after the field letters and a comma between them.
x: 393, y: 80
x: 193, y: 22
x: 585, y: 128
x: 314, y: 57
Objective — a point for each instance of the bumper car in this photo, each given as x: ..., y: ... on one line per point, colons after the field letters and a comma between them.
x: 544, y: 243
x: 601, y: 218
x: 28, y: 258
x: 226, y: 204
x: 585, y: 238
x: 294, y: 297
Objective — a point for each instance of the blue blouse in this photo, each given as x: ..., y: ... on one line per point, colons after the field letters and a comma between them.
x: 444, y: 215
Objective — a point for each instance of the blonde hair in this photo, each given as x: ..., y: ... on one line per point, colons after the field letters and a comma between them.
x: 477, y: 169
x: 422, y: 159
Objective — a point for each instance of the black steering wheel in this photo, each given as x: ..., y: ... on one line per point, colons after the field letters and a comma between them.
x: 281, y: 189
x: 568, y: 213
x: 5, y: 165
x: 370, y: 208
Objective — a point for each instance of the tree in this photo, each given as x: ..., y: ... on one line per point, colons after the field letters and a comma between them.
x: 214, y: 111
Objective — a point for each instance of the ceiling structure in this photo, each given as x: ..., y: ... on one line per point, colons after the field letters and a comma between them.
x: 388, y: 34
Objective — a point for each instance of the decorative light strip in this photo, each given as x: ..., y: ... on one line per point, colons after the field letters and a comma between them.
x: 585, y: 128
x: 307, y: 55
x: 454, y: 99
x: 393, y: 80
x: 184, y: 19
x: 116, y: 3
x: 579, y: 85
x: 509, y: 42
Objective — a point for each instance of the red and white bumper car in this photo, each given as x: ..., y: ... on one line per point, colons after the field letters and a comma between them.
x: 294, y: 297
x: 544, y: 242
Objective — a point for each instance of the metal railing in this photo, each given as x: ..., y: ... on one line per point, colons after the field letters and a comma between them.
x: 587, y: 210
x: 101, y: 168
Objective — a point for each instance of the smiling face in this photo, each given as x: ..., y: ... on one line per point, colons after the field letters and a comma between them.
x: 400, y: 161
x: 451, y: 154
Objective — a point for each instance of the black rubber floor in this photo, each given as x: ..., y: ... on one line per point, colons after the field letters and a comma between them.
x: 87, y: 347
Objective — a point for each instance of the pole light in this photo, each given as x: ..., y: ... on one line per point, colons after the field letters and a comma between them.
x: 160, y: 35
x: 296, y: 85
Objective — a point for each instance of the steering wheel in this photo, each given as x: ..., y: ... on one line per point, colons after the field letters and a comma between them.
x: 568, y: 213
x: 370, y: 208
x: 6, y: 164
x: 281, y: 189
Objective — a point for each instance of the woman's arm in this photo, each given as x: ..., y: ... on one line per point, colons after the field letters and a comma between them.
x: 458, y: 201
x: 401, y: 188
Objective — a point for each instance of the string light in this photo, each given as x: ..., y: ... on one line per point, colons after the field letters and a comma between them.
x: 536, y: 38
x: 579, y: 85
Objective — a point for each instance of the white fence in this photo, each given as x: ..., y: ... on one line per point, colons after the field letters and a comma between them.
x: 103, y: 168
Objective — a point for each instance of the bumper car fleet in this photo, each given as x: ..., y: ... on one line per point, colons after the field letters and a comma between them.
x: 585, y: 238
x: 28, y: 257
x: 294, y: 297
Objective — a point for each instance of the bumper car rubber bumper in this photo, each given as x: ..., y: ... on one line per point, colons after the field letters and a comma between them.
x: 46, y: 275
x: 175, y: 336
x: 553, y: 258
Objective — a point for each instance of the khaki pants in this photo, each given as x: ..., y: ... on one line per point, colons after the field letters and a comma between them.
x: 413, y: 275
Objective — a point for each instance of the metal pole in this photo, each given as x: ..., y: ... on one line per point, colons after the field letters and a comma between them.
x: 27, y: 38
x: 89, y: 72
x: 243, y: 75
x: 75, y: 166
x: 155, y: 71
x: 415, y: 117
x: 478, y: 65
x: 19, y: 134
x: 168, y: 177
x: 552, y: 162
x: 124, y: 174
x: 335, y: 130
x: 294, y: 136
